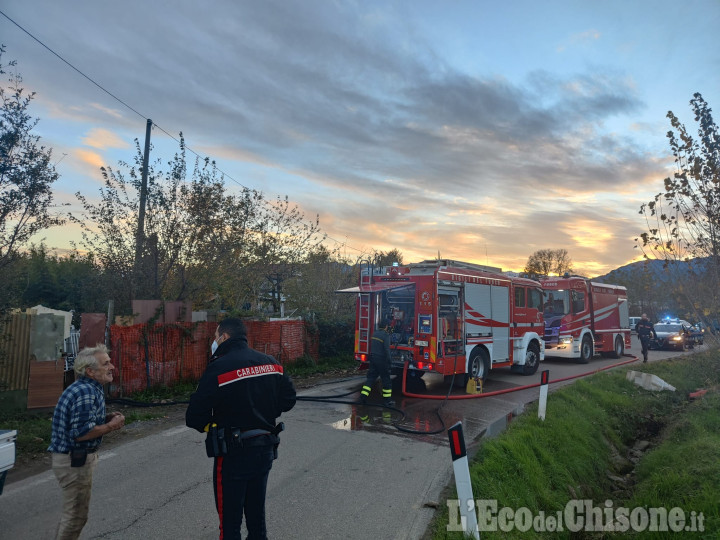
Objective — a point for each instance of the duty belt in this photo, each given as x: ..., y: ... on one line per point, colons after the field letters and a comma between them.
x: 241, y: 435
x: 249, y: 434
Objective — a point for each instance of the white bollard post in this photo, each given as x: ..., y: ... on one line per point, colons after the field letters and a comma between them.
x: 542, y: 404
x: 462, y: 481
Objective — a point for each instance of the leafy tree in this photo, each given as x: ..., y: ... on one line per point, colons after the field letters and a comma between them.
x: 282, y: 238
x: 72, y: 282
x: 548, y: 261
x: 201, y: 244
x: 645, y: 293
x: 382, y: 258
x: 184, y: 228
x: 41, y: 285
x: 26, y: 173
x: 683, y: 222
x: 312, y: 291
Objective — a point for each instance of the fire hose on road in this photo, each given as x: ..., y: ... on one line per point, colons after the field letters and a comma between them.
x: 446, y: 397
x: 507, y: 390
x: 405, y: 393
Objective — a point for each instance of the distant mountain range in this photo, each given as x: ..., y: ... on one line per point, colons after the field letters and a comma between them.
x: 656, y: 268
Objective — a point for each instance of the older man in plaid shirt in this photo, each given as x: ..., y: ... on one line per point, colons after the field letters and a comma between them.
x: 79, y: 422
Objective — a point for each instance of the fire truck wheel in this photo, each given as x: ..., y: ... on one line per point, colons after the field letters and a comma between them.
x: 586, y: 350
x: 532, y: 360
x: 479, y: 365
x: 619, y: 347
x: 618, y: 350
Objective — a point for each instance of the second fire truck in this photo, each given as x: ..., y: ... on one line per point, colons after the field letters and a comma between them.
x: 451, y: 318
x: 583, y: 318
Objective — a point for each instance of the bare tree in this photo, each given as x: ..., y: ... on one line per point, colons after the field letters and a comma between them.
x: 548, y: 261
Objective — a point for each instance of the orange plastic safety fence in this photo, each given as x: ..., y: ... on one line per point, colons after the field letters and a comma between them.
x: 147, y: 355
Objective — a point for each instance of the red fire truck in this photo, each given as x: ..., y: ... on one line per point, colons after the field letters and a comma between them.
x: 451, y: 318
x: 583, y: 318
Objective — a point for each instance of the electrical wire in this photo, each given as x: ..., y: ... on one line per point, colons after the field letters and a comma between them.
x: 73, y: 67
x: 129, y: 107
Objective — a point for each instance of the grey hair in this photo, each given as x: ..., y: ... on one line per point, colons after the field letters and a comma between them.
x: 87, y: 358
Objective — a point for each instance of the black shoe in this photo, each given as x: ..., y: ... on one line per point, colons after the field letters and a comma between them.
x: 389, y: 403
x: 362, y: 400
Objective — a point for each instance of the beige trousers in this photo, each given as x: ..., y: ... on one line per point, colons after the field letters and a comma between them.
x: 76, y: 483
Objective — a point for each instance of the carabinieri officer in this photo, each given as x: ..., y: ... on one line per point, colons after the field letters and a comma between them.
x: 238, y: 400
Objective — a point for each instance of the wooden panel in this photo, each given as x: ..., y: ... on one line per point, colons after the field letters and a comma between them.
x: 46, y: 384
x: 147, y: 310
x: 15, y: 352
x: 178, y: 312
x: 92, y: 329
x: 158, y: 311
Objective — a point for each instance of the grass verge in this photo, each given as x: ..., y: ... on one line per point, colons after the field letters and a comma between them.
x: 587, y: 448
x: 307, y: 366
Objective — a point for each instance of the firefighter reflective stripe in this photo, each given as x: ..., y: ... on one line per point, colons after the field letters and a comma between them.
x: 387, y: 392
x: 365, y: 390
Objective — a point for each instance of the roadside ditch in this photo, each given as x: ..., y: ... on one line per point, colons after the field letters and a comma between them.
x: 609, y: 445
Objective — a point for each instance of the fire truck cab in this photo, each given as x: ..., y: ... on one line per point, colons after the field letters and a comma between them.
x: 583, y: 318
x: 451, y: 318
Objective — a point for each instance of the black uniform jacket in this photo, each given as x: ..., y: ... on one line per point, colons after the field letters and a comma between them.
x: 380, y: 345
x: 644, y: 329
x: 240, y: 389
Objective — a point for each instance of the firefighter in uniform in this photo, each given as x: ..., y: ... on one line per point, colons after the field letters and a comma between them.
x: 238, y: 400
x: 644, y: 329
x: 379, y: 367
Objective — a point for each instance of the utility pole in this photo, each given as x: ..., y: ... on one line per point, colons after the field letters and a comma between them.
x: 140, y: 237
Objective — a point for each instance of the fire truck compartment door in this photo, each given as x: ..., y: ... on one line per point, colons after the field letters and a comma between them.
x: 501, y: 320
x: 487, y: 315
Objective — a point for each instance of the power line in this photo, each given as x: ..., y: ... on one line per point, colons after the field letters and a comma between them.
x: 144, y: 117
x: 73, y: 67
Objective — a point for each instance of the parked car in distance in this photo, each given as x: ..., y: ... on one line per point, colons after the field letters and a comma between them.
x: 668, y: 320
x: 672, y: 336
x: 695, y: 331
x: 633, y: 323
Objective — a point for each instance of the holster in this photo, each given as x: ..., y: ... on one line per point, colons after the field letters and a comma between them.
x: 216, y: 442
x: 78, y: 457
x: 276, y: 433
x: 239, y: 439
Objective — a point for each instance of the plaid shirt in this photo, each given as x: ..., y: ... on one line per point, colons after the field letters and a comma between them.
x: 80, y: 408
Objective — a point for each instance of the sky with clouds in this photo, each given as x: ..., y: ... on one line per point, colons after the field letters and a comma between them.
x: 478, y: 130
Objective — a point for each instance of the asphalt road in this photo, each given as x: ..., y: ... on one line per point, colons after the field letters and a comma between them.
x: 344, y: 471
